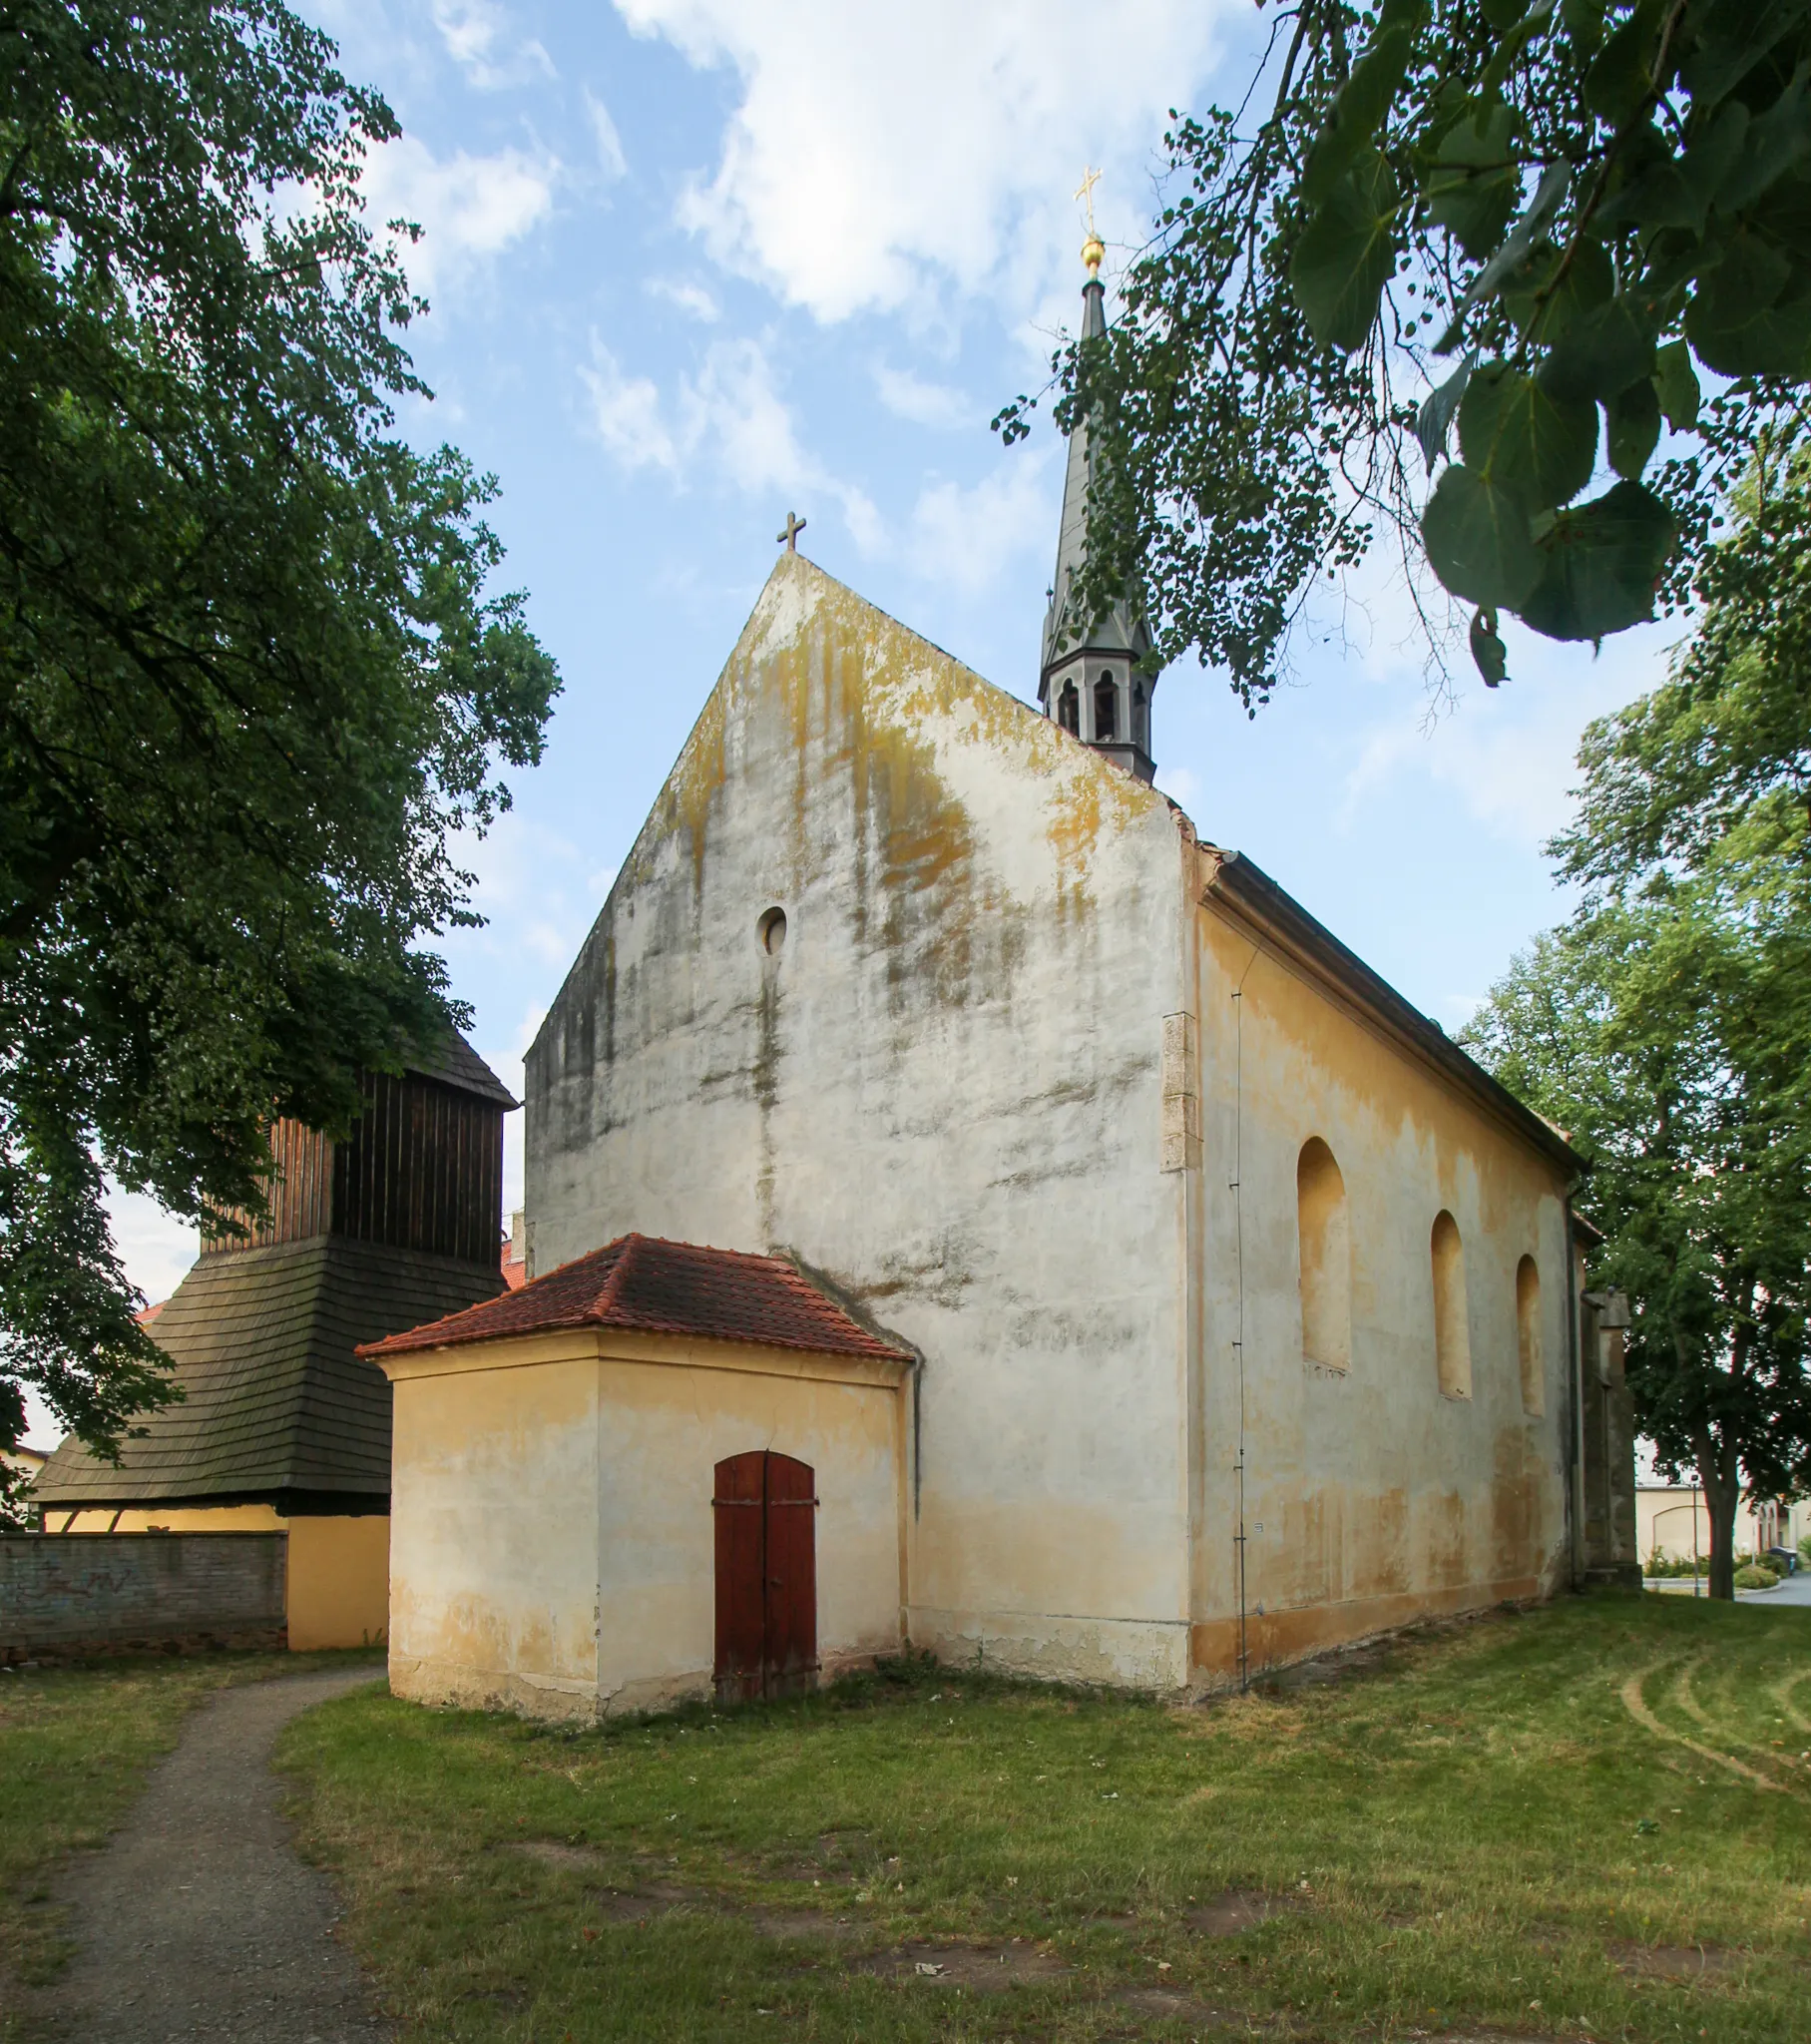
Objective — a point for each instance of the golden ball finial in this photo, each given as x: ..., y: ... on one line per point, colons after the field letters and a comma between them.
x: 1094, y: 253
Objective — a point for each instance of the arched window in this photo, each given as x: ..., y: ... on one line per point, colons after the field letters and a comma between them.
x: 1068, y: 709
x: 1106, y: 707
x: 1528, y: 1336
x: 1140, y: 716
x: 1452, y: 1325
x: 1326, y: 1258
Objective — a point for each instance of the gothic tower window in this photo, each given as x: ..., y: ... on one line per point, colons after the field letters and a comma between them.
x: 1068, y: 709
x: 1140, y: 715
x: 1106, y: 703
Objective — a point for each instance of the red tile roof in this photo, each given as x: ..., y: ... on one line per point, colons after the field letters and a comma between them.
x: 649, y: 1286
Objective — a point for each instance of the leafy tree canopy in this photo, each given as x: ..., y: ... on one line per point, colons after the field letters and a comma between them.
x: 252, y: 672
x: 1495, y: 243
x: 1667, y: 1025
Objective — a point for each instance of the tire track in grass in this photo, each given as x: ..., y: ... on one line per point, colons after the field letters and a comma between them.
x: 1636, y: 1705
x: 1783, y: 1697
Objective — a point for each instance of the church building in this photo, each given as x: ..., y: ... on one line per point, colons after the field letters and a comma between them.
x: 967, y: 1207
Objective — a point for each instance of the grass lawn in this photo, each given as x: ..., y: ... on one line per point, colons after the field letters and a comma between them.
x: 76, y: 1744
x: 1593, y: 1821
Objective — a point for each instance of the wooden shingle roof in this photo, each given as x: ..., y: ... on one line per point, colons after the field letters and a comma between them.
x: 277, y: 1403
x: 645, y: 1285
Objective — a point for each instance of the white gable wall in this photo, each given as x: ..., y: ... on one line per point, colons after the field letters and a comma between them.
x: 943, y: 1095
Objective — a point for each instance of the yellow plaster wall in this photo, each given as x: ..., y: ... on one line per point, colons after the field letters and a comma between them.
x: 338, y: 1581
x: 199, y: 1519
x: 1370, y: 1496
x: 554, y: 1546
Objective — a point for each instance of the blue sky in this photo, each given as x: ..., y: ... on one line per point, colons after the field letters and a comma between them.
x: 696, y: 262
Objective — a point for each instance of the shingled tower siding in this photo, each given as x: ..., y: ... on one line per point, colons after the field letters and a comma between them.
x: 281, y: 1426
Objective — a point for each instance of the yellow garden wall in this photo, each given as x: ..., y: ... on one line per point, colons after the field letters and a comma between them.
x: 336, y: 1572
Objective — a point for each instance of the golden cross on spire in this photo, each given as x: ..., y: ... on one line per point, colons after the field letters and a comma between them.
x: 1086, y: 192
x: 1094, y: 249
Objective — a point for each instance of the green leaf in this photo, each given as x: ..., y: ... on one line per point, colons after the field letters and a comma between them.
x: 1775, y: 142
x: 1488, y: 650
x: 1362, y: 101
x: 1346, y: 255
x: 1547, y: 293
x: 1598, y: 566
x: 1620, y: 78
x: 1677, y: 386
x: 1634, y: 427
x: 1477, y: 540
x: 1502, y: 14
x: 1584, y: 21
x: 1601, y: 351
x: 1650, y: 186
x: 1529, y: 444
x: 1733, y: 39
x: 1549, y: 194
x: 1473, y: 189
x: 1740, y: 322
x: 1437, y: 409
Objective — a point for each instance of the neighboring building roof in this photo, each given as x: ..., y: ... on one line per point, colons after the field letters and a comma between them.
x: 454, y: 1063
x: 514, y: 1268
x: 27, y: 1460
x: 277, y: 1403
x: 1236, y: 883
x: 644, y: 1285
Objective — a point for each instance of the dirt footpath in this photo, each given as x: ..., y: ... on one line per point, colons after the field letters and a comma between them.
x: 199, y: 1920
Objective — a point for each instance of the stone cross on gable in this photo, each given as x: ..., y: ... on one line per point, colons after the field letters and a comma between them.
x: 794, y: 526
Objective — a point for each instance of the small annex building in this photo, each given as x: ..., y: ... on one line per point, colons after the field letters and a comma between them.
x: 281, y: 1428
x: 591, y: 1504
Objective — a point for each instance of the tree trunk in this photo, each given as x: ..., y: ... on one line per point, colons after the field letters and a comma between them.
x: 1722, y: 1478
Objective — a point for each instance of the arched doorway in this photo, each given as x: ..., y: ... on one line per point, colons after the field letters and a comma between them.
x: 766, y: 1509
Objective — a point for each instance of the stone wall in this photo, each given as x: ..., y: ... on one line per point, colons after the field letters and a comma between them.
x: 61, y: 1592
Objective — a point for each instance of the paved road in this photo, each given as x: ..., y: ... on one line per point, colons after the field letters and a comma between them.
x: 1795, y: 1589
x: 197, y: 1919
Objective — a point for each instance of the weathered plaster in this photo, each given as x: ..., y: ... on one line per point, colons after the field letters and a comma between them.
x: 993, y: 1088
x: 554, y: 1545
x: 944, y: 1094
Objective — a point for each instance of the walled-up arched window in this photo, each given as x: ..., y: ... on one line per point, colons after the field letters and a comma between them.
x: 1452, y: 1323
x: 1107, y: 709
x: 1068, y: 709
x: 1528, y: 1336
x: 1325, y: 1246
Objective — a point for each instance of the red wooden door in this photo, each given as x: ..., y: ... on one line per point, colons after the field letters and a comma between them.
x: 766, y: 1576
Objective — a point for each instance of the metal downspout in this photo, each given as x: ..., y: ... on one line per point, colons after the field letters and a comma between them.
x: 1575, y: 1474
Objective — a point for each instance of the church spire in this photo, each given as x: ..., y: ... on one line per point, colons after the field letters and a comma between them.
x: 1088, y: 679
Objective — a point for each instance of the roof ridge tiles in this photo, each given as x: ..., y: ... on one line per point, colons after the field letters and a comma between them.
x: 651, y: 1285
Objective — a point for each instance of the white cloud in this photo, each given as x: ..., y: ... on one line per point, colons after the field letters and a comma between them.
x: 467, y: 206
x: 963, y: 538
x: 155, y: 1246
x: 689, y: 296
x: 627, y: 414
x: 729, y: 412
x: 1510, y: 754
x: 611, y: 160
x: 875, y: 147
x: 478, y: 39
x: 909, y: 396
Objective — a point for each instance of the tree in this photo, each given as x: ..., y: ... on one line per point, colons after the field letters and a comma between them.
x: 251, y: 674
x: 1536, y: 224
x: 1669, y: 1024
